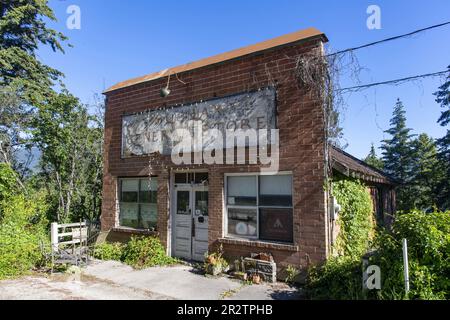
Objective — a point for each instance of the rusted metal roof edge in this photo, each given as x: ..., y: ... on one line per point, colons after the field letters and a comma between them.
x: 283, y: 40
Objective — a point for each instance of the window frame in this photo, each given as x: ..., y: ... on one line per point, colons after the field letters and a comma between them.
x: 257, y: 206
x: 138, y: 202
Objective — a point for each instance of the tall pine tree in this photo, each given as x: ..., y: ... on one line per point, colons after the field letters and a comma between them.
x: 443, y: 98
x: 398, y: 157
x: 24, y: 80
x: 22, y: 30
x: 426, y: 172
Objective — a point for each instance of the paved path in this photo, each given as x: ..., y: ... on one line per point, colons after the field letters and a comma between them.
x: 112, y: 280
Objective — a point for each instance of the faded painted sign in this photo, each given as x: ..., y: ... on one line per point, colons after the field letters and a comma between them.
x: 156, y: 131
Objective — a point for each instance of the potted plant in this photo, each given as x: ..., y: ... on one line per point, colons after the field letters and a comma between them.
x: 215, y: 264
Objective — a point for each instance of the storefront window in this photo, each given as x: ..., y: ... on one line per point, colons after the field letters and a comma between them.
x: 138, y: 203
x: 260, y: 207
x: 242, y: 191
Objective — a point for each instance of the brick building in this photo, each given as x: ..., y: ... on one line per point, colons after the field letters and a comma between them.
x: 194, y: 208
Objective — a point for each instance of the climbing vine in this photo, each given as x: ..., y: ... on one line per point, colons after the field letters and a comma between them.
x: 356, y: 219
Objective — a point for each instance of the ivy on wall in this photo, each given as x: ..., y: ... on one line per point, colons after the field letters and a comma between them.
x: 356, y: 218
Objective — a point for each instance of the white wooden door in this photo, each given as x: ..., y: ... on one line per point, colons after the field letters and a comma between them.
x: 183, y: 223
x: 200, y: 215
x: 190, y: 226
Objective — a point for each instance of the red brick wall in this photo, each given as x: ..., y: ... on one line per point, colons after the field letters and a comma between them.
x: 301, y: 146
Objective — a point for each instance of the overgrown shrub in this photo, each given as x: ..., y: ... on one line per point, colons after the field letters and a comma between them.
x: 109, y: 251
x: 22, y: 234
x: 339, y: 278
x: 8, y: 182
x: 139, y: 252
x: 428, y: 238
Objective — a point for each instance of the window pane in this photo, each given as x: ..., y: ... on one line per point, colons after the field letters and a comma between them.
x: 276, y: 224
x: 128, y: 216
x: 149, y: 216
x: 183, y: 202
x: 242, y: 222
x: 129, y: 190
x: 180, y: 177
x: 201, y: 203
x: 201, y: 177
x: 148, y: 191
x: 275, y: 190
x: 241, y: 191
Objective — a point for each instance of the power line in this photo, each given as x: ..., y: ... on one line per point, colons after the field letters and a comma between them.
x: 396, y: 81
x: 389, y: 39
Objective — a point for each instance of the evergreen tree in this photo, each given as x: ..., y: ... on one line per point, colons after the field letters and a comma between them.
x: 397, y: 155
x: 22, y: 30
x: 426, y: 172
x: 24, y: 80
x: 373, y: 160
x: 443, y: 98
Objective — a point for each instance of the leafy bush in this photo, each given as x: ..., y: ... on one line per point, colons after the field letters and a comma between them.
x: 8, y: 182
x: 338, y: 279
x: 429, y: 263
x: 142, y: 252
x: 109, y: 251
x: 428, y: 252
x: 22, y: 231
x: 139, y: 252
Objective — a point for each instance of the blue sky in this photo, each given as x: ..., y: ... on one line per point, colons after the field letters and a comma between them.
x: 120, y: 39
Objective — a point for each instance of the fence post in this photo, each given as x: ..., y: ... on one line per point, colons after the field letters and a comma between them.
x: 54, y: 236
x: 405, y: 265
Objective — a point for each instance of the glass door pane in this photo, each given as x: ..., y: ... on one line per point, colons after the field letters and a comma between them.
x: 201, y: 203
x: 183, y: 205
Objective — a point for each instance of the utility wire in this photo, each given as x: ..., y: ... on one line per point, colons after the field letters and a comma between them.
x: 389, y: 39
x: 396, y: 81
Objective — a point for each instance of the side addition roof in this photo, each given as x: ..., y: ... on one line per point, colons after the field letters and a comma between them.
x: 350, y: 166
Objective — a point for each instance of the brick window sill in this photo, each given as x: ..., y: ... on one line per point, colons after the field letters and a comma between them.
x: 260, y: 244
x: 135, y: 231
